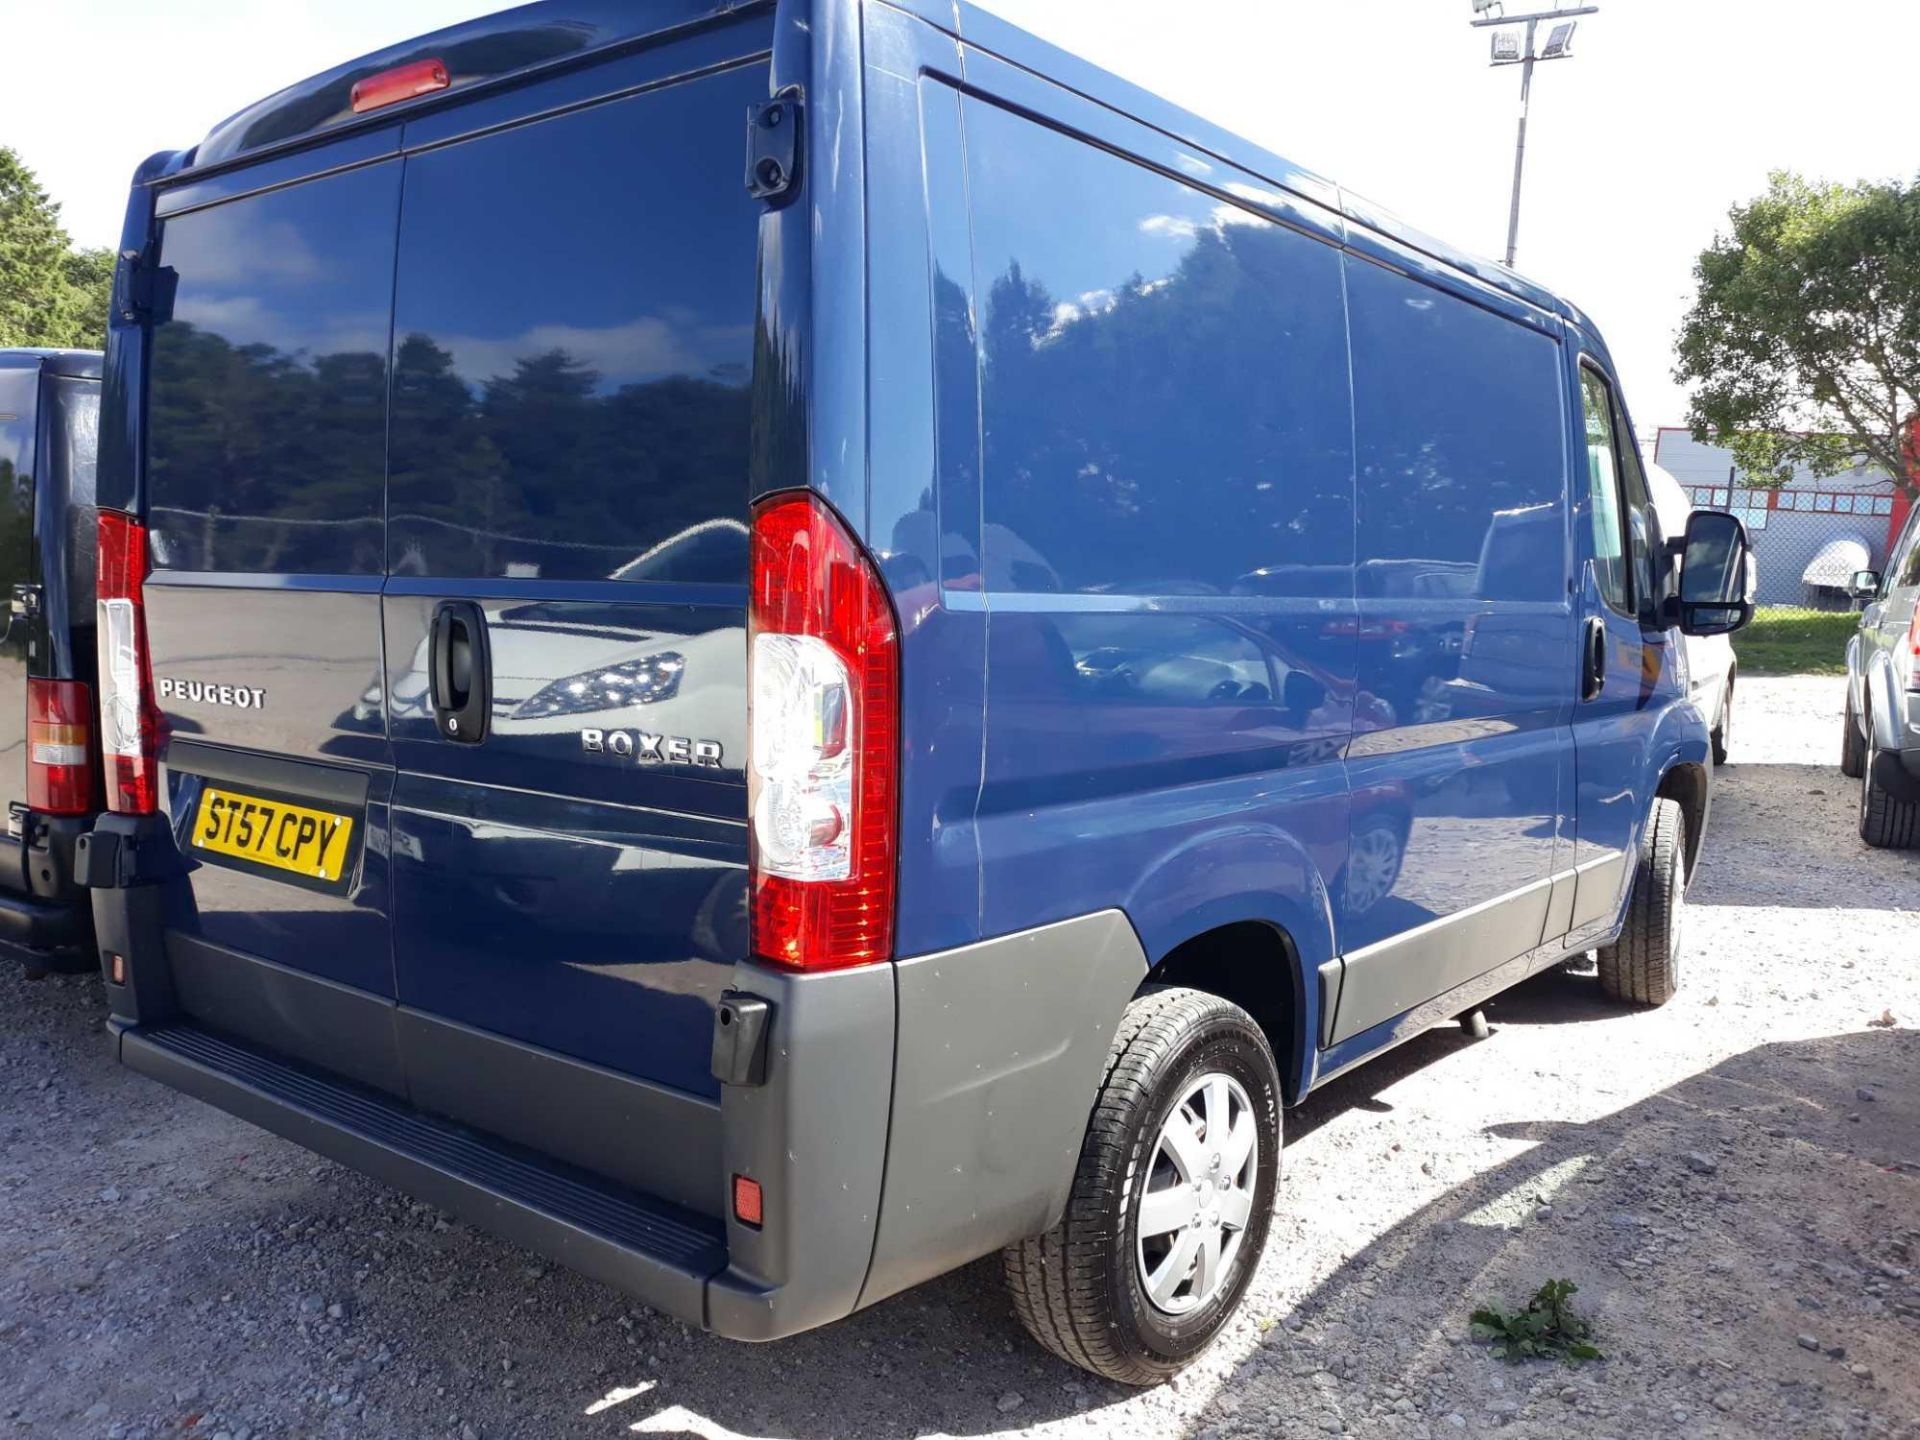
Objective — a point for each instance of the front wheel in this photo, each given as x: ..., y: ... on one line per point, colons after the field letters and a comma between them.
x: 1643, y: 965
x: 1172, y: 1199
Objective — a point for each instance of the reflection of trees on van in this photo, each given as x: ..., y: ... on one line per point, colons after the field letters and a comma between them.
x: 270, y: 460
x: 1112, y: 413
x: 543, y: 472
x: 242, y: 434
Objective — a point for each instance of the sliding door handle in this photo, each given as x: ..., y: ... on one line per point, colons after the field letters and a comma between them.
x: 1593, y: 658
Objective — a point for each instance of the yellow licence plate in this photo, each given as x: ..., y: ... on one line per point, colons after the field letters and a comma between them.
x: 314, y: 845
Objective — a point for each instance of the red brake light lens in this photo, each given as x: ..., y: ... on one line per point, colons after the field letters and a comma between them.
x: 823, y: 763
x: 129, y: 720
x: 59, y: 747
x: 403, y: 82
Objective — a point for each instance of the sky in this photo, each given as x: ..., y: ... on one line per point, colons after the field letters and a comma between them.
x: 1670, y: 112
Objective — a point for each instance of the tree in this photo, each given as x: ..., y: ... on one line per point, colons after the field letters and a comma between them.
x: 50, y: 293
x: 1804, y: 336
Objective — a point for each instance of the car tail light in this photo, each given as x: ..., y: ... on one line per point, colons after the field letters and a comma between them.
x: 403, y: 82
x: 129, y: 721
x: 823, y: 753
x: 59, y: 747
x: 1913, y: 650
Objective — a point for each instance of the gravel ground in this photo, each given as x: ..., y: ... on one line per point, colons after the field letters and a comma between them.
x: 1733, y: 1182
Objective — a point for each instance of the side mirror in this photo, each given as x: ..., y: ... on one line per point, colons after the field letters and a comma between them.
x: 1716, y: 580
x: 1863, y: 584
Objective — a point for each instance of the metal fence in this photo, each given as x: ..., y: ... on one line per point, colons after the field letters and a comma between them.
x: 1808, y: 541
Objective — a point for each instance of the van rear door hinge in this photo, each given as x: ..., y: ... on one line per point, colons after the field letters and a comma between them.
x: 773, y: 147
x: 142, y: 287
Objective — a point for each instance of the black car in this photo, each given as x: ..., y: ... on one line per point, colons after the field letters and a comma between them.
x: 49, y: 760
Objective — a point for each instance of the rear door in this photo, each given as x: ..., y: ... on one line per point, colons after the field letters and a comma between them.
x: 574, y: 333
x: 265, y: 499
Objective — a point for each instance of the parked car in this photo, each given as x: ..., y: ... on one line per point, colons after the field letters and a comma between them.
x: 49, y: 764
x: 1880, y: 739
x: 1711, y: 666
x: 976, y: 860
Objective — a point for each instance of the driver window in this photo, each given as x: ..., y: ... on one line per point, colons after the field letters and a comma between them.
x: 1603, y: 490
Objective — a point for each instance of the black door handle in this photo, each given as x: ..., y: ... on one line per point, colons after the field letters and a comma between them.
x: 459, y: 672
x: 1593, y: 658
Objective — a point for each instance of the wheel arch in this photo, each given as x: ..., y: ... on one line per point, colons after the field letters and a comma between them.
x: 1688, y: 783
x: 1255, y: 965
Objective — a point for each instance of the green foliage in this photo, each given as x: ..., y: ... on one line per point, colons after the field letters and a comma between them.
x: 1804, y: 336
x: 50, y: 293
x: 1789, y: 640
x: 1546, y: 1330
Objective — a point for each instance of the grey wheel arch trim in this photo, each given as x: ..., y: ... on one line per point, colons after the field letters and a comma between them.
x: 1885, y: 710
x: 990, y: 1095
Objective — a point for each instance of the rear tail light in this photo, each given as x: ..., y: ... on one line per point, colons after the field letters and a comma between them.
x: 129, y: 721
x: 1913, y: 650
x: 59, y: 747
x: 403, y: 82
x: 823, y: 755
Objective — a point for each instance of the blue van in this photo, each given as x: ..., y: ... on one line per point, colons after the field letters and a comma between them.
x: 49, y: 765
x: 770, y: 647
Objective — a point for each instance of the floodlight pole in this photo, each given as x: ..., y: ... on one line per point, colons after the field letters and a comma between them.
x: 1520, y: 150
x: 1526, y: 100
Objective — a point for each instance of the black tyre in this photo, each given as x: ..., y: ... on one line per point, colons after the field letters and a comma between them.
x: 1853, y: 744
x: 1172, y: 1199
x: 1723, y: 726
x: 1886, y: 822
x: 1643, y: 965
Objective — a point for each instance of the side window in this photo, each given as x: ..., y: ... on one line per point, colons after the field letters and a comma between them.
x: 1603, y: 488
x: 1643, y: 525
x: 1909, y: 571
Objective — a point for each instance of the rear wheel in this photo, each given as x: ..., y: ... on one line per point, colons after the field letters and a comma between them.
x: 1886, y: 821
x: 1643, y: 965
x: 1853, y: 744
x: 1172, y: 1199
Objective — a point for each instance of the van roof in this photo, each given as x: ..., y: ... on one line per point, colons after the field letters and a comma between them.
x: 552, y: 34
x: 83, y: 364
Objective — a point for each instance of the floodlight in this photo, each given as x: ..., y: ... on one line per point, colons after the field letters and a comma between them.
x: 1506, y: 46
x: 1481, y: 7
x: 1559, y: 41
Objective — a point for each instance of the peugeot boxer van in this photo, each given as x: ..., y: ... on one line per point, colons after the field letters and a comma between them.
x: 772, y: 647
x: 49, y: 764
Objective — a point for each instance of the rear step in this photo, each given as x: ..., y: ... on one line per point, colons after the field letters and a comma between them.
x: 654, y: 1250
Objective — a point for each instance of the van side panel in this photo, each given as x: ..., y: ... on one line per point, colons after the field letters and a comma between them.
x: 1466, y: 642
x: 265, y: 501
x: 924, y: 483
x: 1166, y: 547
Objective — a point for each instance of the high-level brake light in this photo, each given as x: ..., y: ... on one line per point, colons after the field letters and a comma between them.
x: 823, y: 753
x: 403, y: 82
